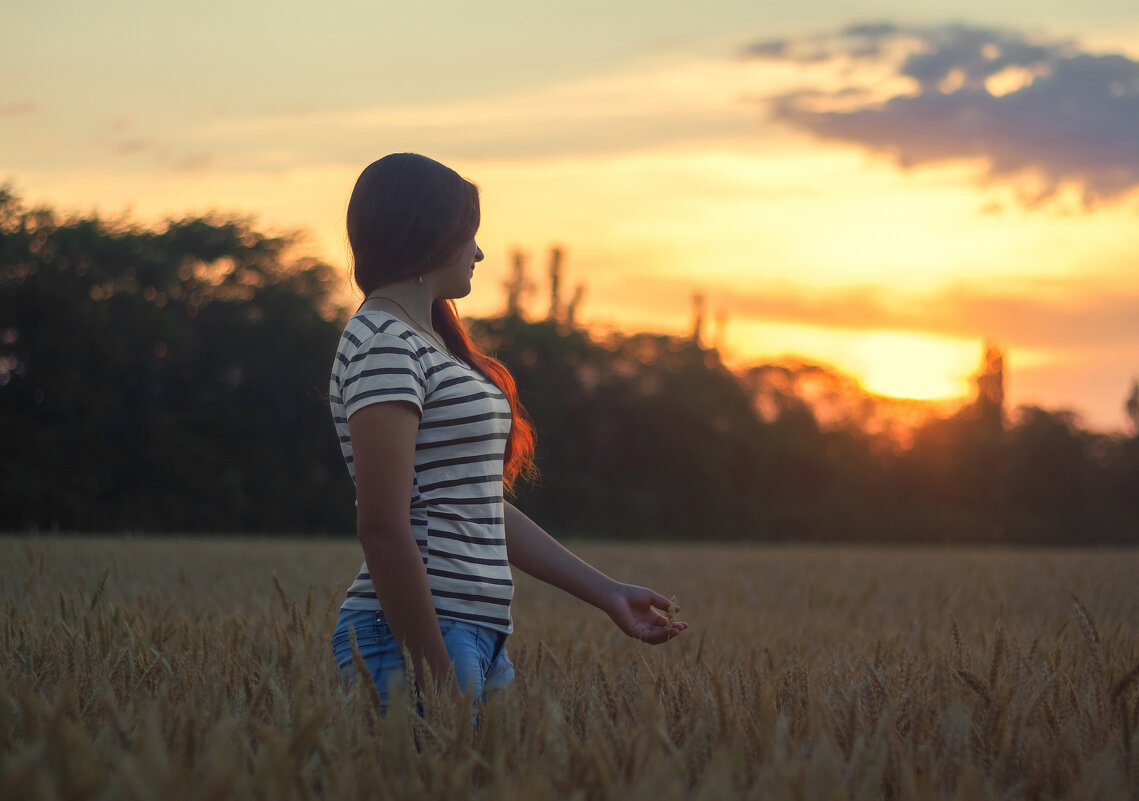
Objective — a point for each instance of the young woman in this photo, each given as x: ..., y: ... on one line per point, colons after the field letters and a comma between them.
x: 432, y: 433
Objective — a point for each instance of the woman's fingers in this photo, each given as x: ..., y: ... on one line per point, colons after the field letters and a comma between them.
x: 644, y: 614
x: 660, y: 629
x: 664, y: 634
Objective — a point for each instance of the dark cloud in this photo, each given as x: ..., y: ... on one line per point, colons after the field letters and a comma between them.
x: 801, y: 51
x: 870, y: 30
x: 798, y: 51
x: 773, y: 48
x: 1076, y: 121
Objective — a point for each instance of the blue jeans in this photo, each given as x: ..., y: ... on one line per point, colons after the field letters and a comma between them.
x: 478, y: 653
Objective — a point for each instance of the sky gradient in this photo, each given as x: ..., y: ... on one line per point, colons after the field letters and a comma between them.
x: 876, y: 187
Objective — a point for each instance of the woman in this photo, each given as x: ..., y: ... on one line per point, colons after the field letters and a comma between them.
x: 432, y: 433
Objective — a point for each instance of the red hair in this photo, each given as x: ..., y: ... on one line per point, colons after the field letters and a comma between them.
x: 518, y: 461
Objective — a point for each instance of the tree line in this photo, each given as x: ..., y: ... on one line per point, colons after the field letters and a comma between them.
x: 174, y: 379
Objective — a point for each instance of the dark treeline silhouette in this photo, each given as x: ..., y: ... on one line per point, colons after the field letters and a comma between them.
x: 174, y: 379
x: 163, y: 380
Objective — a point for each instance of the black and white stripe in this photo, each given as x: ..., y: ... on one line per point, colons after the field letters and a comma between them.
x: 457, y: 496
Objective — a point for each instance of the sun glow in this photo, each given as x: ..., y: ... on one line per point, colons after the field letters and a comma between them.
x: 891, y: 363
x: 914, y: 366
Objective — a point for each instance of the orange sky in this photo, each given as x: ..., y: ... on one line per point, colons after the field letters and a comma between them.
x: 882, y: 213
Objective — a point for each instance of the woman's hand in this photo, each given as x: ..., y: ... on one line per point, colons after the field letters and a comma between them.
x: 643, y: 614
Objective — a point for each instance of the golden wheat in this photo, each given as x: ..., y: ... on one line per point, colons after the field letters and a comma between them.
x: 200, y: 669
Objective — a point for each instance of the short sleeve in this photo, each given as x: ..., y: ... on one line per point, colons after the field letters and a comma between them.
x: 385, y: 368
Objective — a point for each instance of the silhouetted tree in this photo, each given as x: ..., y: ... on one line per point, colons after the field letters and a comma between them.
x: 518, y: 286
x: 956, y: 464
x: 573, y: 306
x: 639, y: 436
x: 163, y: 379
x: 1126, y: 468
x: 555, y: 311
x: 1060, y: 483
x: 990, y: 400
x: 1131, y: 406
x: 698, y: 302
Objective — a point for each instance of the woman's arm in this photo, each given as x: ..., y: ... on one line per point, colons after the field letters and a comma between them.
x: 383, y: 449
x: 632, y: 608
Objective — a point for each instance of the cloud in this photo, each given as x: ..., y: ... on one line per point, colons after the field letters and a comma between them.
x: 132, y: 147
x: 159, y: 153
x: 1042, y: 114
x: 1091, y: 322
x: 18, y: 108
x: 1063, y: 315
x: 195, y: 163
x: 655, y: 105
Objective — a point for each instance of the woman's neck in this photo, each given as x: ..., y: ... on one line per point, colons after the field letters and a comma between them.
x: 411, y: 298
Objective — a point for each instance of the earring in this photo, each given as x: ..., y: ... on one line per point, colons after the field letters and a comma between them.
x: 421, y: 279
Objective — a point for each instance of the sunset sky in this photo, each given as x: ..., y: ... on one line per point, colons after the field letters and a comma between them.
x: 878, y: 186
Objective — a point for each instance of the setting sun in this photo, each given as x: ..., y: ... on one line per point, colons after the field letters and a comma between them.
x: 909, y: 366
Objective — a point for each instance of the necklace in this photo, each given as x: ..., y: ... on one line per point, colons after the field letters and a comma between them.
x: 429, y: 333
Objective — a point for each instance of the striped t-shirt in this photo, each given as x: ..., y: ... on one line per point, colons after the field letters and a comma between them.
x: 456, y: 501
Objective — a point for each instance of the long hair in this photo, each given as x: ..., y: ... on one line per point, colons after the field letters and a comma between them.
x: 407, y: 215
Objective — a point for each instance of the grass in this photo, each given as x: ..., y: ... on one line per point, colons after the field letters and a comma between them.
x: 200, y: 669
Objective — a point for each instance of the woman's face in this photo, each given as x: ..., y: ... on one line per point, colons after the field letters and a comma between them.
x: 455, y: 278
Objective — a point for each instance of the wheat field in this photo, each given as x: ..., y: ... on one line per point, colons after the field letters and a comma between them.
x: 138, y: 668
